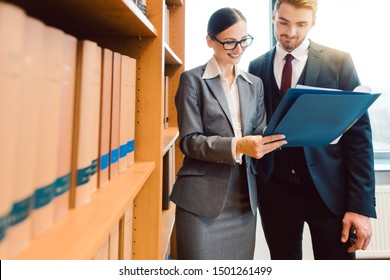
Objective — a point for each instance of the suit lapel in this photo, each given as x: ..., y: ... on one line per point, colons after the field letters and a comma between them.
x: 216, y: 89
x: 313, y: 65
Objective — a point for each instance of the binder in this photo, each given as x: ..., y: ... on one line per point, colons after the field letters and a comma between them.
x: 124, y: 109
x: 49, y: 129
x: 105, y: 118
x: 131, y: 104
x: 65, y: 149
x: 27, y: 141
x: 12, y: 34
x: 317, y: 117
x: 82, y: 186
x: 115, y: 116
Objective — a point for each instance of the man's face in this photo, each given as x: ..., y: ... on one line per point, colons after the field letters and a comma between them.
x: 292, y: 25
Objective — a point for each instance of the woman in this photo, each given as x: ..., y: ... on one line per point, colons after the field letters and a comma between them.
x: 221, y: 116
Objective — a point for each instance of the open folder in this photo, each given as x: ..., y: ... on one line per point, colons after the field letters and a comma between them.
x: 317, y: 117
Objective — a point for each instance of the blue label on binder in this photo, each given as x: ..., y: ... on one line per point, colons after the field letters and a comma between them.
x: 123, y: 150
x: 3, y: 226
x: 104, y: 161
x: 20, y: 211
x: 94, y: 167
x: 62, y: 185
x: 114, y: 156
x: 43, y: 196
x: 130, y: 146
x: 83, y: 175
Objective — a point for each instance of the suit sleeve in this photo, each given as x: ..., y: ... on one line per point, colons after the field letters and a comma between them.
x: 358, y: 149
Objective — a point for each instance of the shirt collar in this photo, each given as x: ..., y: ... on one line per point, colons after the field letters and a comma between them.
x: 212, y: 70
x: 298, y: 53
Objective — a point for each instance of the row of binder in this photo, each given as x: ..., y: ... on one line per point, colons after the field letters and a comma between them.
x: 67, y: 115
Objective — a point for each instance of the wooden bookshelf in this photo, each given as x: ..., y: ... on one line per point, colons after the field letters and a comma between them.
x: 80, y: 233
x: 120, y: 26
x: 168, y: 221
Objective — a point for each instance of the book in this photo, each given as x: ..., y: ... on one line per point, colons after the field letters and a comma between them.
x: 11, y: 57
x: 115, y: 115
x: 95, y: 118
x: 168, y: 177
x: 128, y: 233
x: 114, y: 243
x: 132, y: 106
x: 62, y: 185
x: 105, y: 118
x: 317, y: 117
x: 103, y: 251
x: 81, y: 185
x: 124, y: 118
x: 27, y: 141
x: 49, y: 130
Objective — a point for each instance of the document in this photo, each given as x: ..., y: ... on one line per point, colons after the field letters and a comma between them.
x: 310, y: 116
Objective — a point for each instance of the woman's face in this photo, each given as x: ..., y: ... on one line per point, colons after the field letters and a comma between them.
x: 233, y: 34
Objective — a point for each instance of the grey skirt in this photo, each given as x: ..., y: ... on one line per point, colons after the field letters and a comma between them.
x: 230, y: 236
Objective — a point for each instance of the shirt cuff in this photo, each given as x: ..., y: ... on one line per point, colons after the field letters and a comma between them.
x: 237, y: 157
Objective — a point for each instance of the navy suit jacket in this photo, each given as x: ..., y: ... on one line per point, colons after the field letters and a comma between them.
x: 206, y: 133
x: 342, y: 173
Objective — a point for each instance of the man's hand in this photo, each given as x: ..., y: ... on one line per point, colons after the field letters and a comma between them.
x: 363, y: 231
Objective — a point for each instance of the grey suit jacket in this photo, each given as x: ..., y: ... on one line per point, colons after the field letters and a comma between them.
x: 343, y: 173
x: 206, y: 134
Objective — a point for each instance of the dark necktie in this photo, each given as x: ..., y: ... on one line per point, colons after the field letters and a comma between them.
x: 286, y: 74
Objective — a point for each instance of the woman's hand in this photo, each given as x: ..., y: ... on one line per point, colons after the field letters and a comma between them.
x: 257, y: 146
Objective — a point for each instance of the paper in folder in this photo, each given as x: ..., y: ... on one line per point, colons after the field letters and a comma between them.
x: 317, y: 117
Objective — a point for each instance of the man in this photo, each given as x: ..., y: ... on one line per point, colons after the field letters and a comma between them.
x: 331, y: 188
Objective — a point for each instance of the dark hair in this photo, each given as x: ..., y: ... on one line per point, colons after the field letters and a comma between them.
x: 222, y: 19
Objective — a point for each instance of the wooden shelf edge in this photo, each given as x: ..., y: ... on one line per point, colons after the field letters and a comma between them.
x: 79, y: 234
x: 138, y: 13
x: 167, y: 223
x: 170, y: 135
x: 170, y: 56
x: 91, y: 18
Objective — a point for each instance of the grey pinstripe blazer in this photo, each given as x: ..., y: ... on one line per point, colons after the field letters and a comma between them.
x: 206, y: 134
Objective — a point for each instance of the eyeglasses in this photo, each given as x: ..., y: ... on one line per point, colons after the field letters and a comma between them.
x: 231, y: 45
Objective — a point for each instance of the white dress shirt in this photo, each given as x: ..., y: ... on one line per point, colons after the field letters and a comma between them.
x: 232, y: 96
x: 298, y: 63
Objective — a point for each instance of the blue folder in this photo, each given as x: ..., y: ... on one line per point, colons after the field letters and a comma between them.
x: 317, y: 117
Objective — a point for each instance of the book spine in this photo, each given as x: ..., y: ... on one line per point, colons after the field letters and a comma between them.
x: 27, y: 139
x: 132, y: 110
x: 81, y: 185
x: 115, y: 115
x: 114, y: 243
x: 95, y: 117
x: 128, y: 233
x: 124, y: 118
x: 11, y: 55
x: 105, y: 118
x: 43, y: 213
x: 62, y: 185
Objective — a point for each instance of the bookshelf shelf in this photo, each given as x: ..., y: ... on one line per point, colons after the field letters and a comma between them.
x: 170, y: 56
x: 170, y: 135
x: 92, y: 18
x: 121, y: 27
x: 70, y: 238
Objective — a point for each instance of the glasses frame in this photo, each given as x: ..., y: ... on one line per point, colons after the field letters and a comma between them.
x: 236, y: 42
